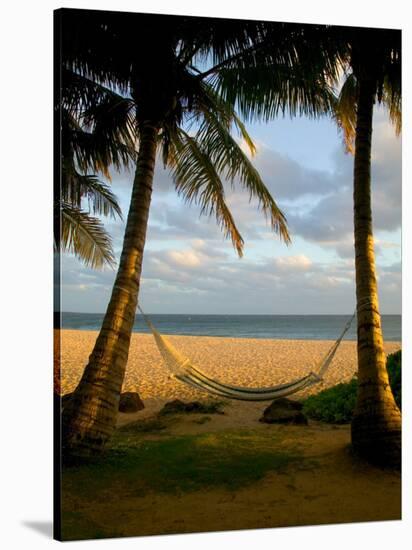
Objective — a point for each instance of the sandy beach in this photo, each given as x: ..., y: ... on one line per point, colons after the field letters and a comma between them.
x: 326, y: 484
x: 241, y: 361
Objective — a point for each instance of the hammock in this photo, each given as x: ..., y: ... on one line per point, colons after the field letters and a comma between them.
x: 183, y: 369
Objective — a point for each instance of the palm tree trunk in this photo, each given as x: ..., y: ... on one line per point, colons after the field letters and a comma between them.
x: 89, y: 419
x: 376, y: 426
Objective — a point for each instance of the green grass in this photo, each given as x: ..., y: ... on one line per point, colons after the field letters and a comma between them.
x: 177, y: 464
x: 336, y: 404
x: 149, y: 426
x: 134, y: 467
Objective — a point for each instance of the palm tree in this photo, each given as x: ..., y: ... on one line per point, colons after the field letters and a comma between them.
x: 179, y: 113
x: 182, y: 110
x: 375, y: 60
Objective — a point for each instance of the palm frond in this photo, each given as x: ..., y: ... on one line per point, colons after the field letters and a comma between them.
x: 98, y: 125
x: 199, y: 163
x: 264, y: 92
x: 392, y: 99
x: 113, y: 132
x: 318, y: 48
x: 231, y: 161
x: 345, y: 111
x: 197, y: 180
x: 376, y: 55
x: 97, y: 151
x: 79, y: 92
x: 85, y: 237
x: 76, y: 187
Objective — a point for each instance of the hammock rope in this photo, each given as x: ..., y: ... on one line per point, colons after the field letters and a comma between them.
x: 183, y: 370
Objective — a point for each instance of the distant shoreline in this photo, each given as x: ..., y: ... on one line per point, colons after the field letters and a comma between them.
x: 145, y: 333
x: 236, y: 314
x: 278, y: 327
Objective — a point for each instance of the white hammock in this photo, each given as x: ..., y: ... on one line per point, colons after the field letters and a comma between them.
x: 183, y: 369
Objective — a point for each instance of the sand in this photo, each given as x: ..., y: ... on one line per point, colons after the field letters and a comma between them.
x: 327, y: 485
x: 240, y: 361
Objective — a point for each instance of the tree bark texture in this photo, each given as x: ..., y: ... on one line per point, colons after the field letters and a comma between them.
x: 88, y: 421
x: 376, y: 426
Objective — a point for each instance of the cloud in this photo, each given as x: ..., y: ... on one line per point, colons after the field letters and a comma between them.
x: 286, y: 179
x: 201, y: 278
x: 218, y: 283
x: 189, y: 267
x: 330, y: 220
x: 297, y: 263
x: 318, y: 204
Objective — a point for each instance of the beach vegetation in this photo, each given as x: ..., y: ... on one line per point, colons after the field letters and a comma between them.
x: 394, y: 368
x: 336, y: 405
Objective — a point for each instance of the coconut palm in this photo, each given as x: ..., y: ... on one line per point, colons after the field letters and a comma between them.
x: 375, y: 62
x: 175, y: 112
x: 178, y: 110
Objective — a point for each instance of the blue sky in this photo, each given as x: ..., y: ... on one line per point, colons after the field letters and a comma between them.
x: 189, y: 268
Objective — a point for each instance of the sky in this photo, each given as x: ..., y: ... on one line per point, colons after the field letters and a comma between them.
x: 189, y: 268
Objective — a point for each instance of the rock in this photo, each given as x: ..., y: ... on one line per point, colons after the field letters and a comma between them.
x: 287, y: 404
x: 130, y: 402
x: 284, y: 411
x: 177, y: 406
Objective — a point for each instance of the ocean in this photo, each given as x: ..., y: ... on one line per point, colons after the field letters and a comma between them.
x: 293, y: 327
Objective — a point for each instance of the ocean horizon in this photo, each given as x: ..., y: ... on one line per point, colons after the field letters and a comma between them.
x: 265, y: 326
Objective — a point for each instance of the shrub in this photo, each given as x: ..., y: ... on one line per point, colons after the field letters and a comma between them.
x: 394, y: 364
x: 336, y: 404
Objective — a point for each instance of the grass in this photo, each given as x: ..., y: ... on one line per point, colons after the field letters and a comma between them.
x: 149, y: 426
x: 178, y: 464
x: 134, y: 467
